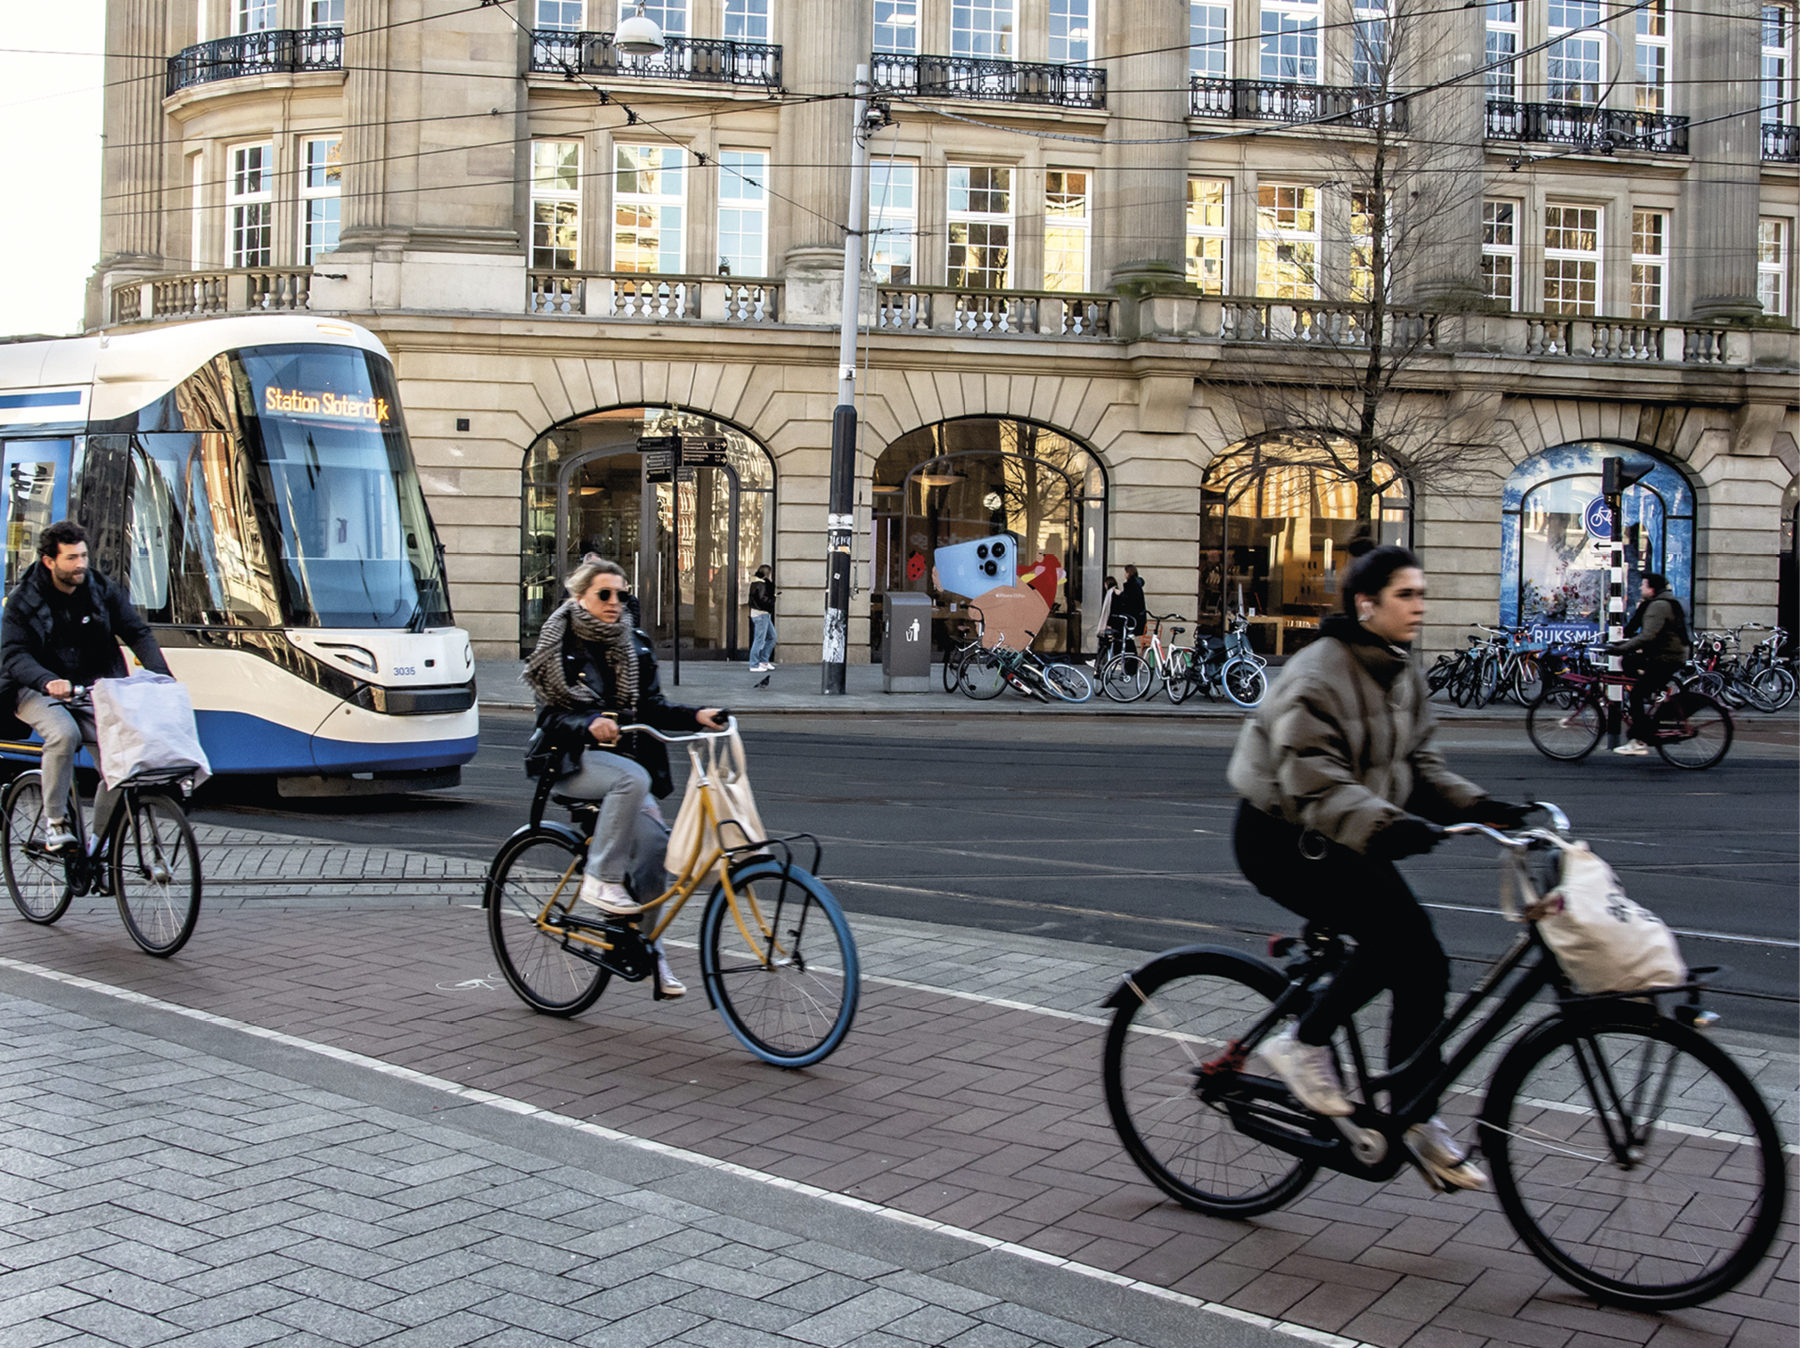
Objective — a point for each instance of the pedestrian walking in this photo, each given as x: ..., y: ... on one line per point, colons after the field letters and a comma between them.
x: 762, y: 620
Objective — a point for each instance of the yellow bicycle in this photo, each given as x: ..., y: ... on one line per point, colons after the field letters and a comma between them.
x: 776, y: 954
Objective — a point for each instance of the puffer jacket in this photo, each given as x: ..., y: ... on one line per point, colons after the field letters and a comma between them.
x: 1342, y: 744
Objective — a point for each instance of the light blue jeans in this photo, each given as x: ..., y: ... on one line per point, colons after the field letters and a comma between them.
x: 630, y: 838
x: 762, y: 637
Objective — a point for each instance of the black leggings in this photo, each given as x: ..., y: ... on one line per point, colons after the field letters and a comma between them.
x: 1651, y: 676
x: 1367, y: 901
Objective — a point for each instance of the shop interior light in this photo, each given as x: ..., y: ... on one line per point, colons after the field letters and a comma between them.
x: 940, y: 474
x: 880, y: 489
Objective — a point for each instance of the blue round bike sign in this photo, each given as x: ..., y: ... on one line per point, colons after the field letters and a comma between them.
x: 1598, y: 518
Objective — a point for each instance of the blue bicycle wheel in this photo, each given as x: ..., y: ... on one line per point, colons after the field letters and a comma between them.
x: 780, y: 963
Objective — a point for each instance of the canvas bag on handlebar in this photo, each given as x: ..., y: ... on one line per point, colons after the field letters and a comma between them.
x: 1603, y: 941
x: 146, y: 724
x: 720, y: 762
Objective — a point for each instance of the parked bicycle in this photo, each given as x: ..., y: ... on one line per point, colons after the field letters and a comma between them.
x: 1134, y: 673
x: 776, y: 954
x: 1687, y: 727
x: 1497, y: 663
x: 147, y: 859
x: 1628, y: 1150
x: 1722, y: 669
x: 988, y: 673
x: 1223, y: 665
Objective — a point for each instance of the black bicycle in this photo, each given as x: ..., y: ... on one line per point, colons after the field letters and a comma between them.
x: 147, y: 860
x: 1629, y: 1151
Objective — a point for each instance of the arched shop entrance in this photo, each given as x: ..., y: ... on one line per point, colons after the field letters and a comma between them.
x: 979, y: 476
x: 1553, y: 563
x: 587, y: 489
x: 1275, y: 516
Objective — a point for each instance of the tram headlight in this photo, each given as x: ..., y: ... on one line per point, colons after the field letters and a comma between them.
x: 358, y: 657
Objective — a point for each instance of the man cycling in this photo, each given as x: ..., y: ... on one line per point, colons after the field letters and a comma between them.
x: 62, y: 626
x: 1655, y: 647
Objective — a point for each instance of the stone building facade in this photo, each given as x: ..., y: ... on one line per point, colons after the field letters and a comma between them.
x: 1123, y: 273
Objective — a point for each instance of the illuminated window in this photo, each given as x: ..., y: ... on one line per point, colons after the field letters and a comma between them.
x: 649, y: 208
x: 1649, y: 264
x: 1653, y: 57
x: 1772, y: 248
x: 981, y: 28
x: 1065, y: 230
x: 1287, y: 242
x: 1071, y: 31
x: 893, y: 221
x: 897, y: 26
x: 1571, y: 260
x: 1503, y: 49
x: 250, y: 205
x: 1206, y: 235
x: 744, y: 212
x: 1209, y: 37
x: 980, y: 219
x: 1500, y: 252
x: 555, y: 205
x: 1575, y: 55
x: 321, y: 184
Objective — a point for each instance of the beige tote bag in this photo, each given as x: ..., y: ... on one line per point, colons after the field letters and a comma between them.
x: 716, y: 768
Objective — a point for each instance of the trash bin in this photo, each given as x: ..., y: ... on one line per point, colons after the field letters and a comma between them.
x: 906, y: 642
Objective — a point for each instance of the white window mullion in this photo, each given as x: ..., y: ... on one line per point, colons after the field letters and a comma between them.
x: 1653, y: 57
x: 1503, y: 50
x: 982, y: 28
x: 1287, y: 241
x: 897, y: 26
x: 559, y: 16
x: 743, y: 213
x: 893, y: 221
x: 1774, y: 245
x: 649, y: 209
x: 1778, y: 40
x: 980, y: 227
x: 1572, y: 260
x: 321, y: 187
x: 1207, y: 234
x: 1289, y: 50
x: 1649, y: 264
x: 1071, y: 31
x: 1065, y: 230
x: 250, y: 206
x: 1500, y: 252
x: 1209, y: 40
x: 253, y: 16
x: 324, y: 13
x: 1577, y: 54
x: 747, y: 20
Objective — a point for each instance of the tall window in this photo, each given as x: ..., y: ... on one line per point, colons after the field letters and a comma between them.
x: 321, y: 183
x: 1571, y: 260
x: 1290, y: 41
x: 981, y: 225
x: 252, y: 16
x: 559, y: 16
x: 1778, y: 64
x: 250, y: 205
x: 324, y: 13
x: 649, y: 200
x: 1209, y: 37
x: 1500, y: 252
x: 897, y: 26
x: 1065, y: 230
x: 1649, y: 264
x: 893, y: 221
x: 747, y: 20
x: 1206, y: 235
x: 196, y: 208
x: 556, y: 205
x: 1574, y: 57
x: 1503, y: 49
x: 981, y: 28
x: 1772, y: 246
x: 1287, y: 242
x: 669, y: 15
x: 1071, y: 31
x: 1369, y: 45
x: 1653, y: 57
x: 1363, y: 279
x: 744, y: 212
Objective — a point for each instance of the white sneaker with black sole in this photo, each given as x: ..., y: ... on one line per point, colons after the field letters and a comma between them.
x: 58, y: 836
x: 1633, y: 749
x: 1308, y: 1071
x: 1443, y: 1164
x: 665, y: 977
x: 612, y: 899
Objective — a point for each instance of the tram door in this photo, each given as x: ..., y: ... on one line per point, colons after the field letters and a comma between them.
x: 36, y: 474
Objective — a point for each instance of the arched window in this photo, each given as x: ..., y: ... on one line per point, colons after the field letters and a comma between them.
x: 1553, y: 541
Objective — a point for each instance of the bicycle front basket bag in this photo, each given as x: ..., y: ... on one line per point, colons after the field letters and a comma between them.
x: 1603, y: 941
x: 145, y: 724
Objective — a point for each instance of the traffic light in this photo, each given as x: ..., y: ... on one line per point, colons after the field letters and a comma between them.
x: 1616, y: 475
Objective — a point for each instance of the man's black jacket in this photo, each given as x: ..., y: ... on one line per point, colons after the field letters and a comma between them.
x: 26, y: 660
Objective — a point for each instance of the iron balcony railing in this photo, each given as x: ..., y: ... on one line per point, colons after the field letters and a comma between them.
x: 1781, y: 143
x: 697, y: 60
x: 275, y: 51
x: 1595, y: 130
x: 1287, y: 101
x: 990, y: 79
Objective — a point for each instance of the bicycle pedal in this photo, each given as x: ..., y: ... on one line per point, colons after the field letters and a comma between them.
x: 1366, y: 1144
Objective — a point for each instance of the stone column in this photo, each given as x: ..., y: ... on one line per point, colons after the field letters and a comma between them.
x: 1438, y: 191
x: 1716, y: 75
x: 131, y: 224
x: 1141, y: 197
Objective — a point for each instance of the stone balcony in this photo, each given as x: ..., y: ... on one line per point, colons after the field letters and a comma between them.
x: 989, y: 80
x: 689, y: 60
x: 276, y: 51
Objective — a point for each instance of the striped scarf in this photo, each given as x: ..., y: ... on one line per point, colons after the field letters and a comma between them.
x: 544, y: 670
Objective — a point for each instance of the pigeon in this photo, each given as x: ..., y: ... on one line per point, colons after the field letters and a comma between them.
x: 764, y: 682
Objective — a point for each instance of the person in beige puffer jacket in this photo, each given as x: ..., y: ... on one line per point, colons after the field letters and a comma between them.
x: 1339, y: 780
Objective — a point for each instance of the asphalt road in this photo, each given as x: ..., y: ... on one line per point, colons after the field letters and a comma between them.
x: 1117, y: 832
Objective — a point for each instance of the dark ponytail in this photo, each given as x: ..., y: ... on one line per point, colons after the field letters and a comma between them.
x: 1371, y: 568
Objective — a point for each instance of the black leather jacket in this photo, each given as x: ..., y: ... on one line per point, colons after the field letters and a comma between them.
x: 567, y: 730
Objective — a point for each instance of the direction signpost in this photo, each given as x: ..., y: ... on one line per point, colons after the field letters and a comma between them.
x: 672, y: 459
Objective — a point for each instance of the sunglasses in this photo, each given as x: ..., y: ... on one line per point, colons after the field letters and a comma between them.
x: 606, y: 596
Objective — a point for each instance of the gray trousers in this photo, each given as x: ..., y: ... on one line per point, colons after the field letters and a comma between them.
x: 630, y: 838
x: 63, y: 732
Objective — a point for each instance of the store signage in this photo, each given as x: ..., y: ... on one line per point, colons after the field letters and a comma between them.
x: 297, y: 403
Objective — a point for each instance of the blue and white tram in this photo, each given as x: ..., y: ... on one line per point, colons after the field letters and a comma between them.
x: 252, y: 480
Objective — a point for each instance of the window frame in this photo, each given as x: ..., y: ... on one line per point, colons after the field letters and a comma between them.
x: 1652, y: 42
x: 317, y: 194
x: 1494, y: 248
x: 1644, y: 263
x: 1560, y: 254
x: 1076, y: 51
x: 557, y: 21
x: 884, y: 215
x: 1271, y: 237
x: 242, y: 207
x: 1204, y: 56
x: 1503, y: 80
x: 659, y: 202
x: 1306, y: 15
x: 1079, y: 229
x: 750, y: 173
x: 1369, y: 39
x: 986, y: 220
x: 1776, y: 87
x: 672, y: 16
x: 887, y: 30
x: 1560, y: 37
x: 1199, y: 232
x: 1779, y: 268
x: 243, y: 10
x: 330, y: 19
x: 965, y: 39
x: 746, y: 21
x: 565, y: 209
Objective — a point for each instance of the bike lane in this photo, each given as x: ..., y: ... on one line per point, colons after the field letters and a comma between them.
x: 967, y: 1096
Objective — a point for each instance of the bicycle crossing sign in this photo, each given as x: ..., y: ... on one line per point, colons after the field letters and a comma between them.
x: 1598, y: 518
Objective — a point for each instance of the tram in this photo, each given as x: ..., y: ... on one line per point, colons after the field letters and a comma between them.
x: 251, y: 481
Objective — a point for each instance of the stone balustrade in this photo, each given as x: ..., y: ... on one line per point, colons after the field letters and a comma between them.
x: 207, y: 294
x: 994, y: 313
x: 662, y: 298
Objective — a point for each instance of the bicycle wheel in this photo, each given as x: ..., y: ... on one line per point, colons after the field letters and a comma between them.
x: 1126, y: 677
x: 1691, y: 731
x: 1487, y: 681
x: 1069, y: 682
x: 1245, y: 683
x: 1775, y: 685
x: 37, y: 880
x: 1563, y: 728
x: 1527, y: 679
x: 953, y: 663
x: 1437, y: 678
x: 156, y: 872
x: 1749, y: 693
x: 981, y: 677
x: 1635, y: 1158
x: 534, y: 872
x: 780, y: 964
x: 1171, y: 1018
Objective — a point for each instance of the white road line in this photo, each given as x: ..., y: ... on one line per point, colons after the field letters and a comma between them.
x: 502, y: 1102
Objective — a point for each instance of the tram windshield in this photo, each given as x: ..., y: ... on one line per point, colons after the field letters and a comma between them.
x: 353, y: 545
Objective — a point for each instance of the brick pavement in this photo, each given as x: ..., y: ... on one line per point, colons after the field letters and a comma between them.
x: 980, y: 1116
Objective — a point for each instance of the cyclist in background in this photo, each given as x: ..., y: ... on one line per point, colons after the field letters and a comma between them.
x: 62, y: 627
x: 1655, y: 647
x: 1339, y: 780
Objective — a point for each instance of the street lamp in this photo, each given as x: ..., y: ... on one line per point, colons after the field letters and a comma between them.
x: 639, y: 35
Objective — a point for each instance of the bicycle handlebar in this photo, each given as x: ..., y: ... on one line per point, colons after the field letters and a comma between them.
x: 654, y: 733
x: 1558, y: 821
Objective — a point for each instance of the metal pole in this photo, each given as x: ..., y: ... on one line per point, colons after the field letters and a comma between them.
x: 1615, y: 616
x: 840, y: 519
x: 675, y: 550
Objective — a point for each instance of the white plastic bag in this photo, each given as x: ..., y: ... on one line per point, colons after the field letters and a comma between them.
x: 1603, y: 941
x: 146, y: 724
x: 727, y: 781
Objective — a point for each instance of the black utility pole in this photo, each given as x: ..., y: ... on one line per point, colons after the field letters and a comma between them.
x: 1615, y: 476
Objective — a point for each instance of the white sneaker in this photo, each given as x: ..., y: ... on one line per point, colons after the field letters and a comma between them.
x: 1633, y: 749
x: 665, y: 978
x: 1308, y: 1071
x: 1444, y: 1165
x: 58, y: 835
x: 611, y: 899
